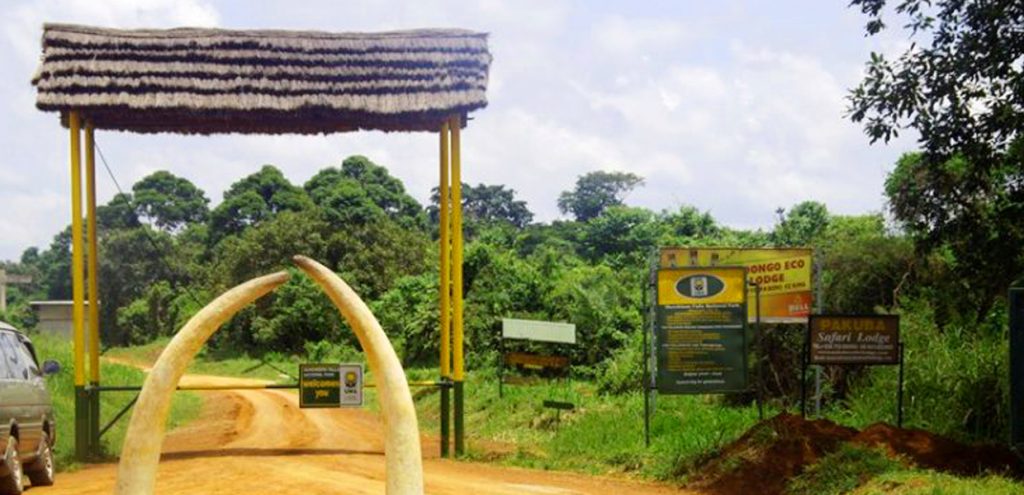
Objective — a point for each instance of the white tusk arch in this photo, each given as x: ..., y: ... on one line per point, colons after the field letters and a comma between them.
x: 136, y: 472
x: 404, y: 464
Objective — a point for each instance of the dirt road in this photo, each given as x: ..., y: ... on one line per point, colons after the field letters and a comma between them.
x: 259, y: 441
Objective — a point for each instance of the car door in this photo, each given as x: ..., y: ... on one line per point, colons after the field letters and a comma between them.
x: 7, y: 396
x: 20, y: 393
x: 39, y: 398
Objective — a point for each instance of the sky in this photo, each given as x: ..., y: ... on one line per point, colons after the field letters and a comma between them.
x: 734, y: 107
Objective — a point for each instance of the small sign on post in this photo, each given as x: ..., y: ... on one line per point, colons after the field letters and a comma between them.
x: 330, y: 385
x: 854, y: 339
x: 548, y: 332
x: 863, y: 339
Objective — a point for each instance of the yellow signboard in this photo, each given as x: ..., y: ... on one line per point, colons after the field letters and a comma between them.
x: 784, y: 276
x: 700, y: 286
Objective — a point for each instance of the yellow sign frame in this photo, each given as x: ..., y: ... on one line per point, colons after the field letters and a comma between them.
x: 785, y: 276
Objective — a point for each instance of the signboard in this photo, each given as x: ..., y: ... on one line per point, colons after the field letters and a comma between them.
x: 783, y: 274
x: 538, y: 331
x: 699, y: 330
x: 536, y: 361
x: 330, y: 385
x: 867, y: 339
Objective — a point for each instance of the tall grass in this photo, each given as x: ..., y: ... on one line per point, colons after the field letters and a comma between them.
x: 956, y: 380
x: 184, y: 407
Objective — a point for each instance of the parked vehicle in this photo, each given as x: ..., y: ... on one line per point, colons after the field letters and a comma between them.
x: 27, y: 425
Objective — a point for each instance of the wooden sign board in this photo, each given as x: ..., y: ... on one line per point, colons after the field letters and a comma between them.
x: 854, y: 339
x: 536, y: 361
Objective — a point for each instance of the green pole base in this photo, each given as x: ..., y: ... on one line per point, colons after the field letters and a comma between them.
x: 94, y: 422
x: 460, y: 433
x: 81, y: 423
x: 445, y: 419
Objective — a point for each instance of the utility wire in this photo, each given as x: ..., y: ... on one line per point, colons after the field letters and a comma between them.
x: 149, y: 235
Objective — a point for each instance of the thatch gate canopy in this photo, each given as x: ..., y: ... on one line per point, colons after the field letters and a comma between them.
x: 205, y: 81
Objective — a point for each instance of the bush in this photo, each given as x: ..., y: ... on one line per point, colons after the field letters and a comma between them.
x: 956, y: 379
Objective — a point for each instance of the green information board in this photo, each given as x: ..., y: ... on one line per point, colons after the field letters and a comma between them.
x: 701, y: 347
x: 319, y: 385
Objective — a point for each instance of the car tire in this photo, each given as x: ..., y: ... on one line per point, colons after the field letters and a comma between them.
x: 41, y: 471
x: 12, y: 484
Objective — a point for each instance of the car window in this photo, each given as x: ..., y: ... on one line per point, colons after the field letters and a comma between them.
x: 28, y: 357
x: 16, y: 365
x: 5, y: 372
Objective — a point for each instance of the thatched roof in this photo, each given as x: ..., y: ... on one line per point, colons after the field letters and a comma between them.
x: 190, y: 80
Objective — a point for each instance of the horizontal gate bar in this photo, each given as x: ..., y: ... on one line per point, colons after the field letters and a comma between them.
x: 261, y: 386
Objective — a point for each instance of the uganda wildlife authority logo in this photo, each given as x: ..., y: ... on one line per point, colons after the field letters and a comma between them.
x: 700, y: 286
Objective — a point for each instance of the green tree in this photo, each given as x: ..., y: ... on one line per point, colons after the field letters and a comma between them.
x: 255, y: 199
x: 801, y: 224
x: 960, y: 87
x: 486, y: 204
x: 132, y: 261
x: 361, y: 191
x: 595, y: 192
x: 118, y: 213
x: 620, y: 230
x: 864, y: 266
x: 981, y: 230
x: 687, y: 227
x: 168, y: 201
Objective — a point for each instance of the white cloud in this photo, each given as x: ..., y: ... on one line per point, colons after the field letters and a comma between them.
x: 620, y: 36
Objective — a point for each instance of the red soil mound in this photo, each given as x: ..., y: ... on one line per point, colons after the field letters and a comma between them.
x: 769, y: 454
x: 940, y: 453
x: 774, y: 451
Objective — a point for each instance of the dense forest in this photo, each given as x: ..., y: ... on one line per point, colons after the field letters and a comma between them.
x: 165, y: 253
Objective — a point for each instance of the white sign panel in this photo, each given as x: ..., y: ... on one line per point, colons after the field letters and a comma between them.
x: 538, y: 331
x: 351, y: 385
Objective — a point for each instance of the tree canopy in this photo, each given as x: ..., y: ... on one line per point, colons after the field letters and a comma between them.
x: 960, y: 86
x: 167, y: 201
x: 597, y: 191
x: 485, y: 204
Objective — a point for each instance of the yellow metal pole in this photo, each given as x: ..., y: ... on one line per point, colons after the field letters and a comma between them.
x: 93, y: 259
x: 92, y: 277
x: 457, y: 340
x: 444, y: 226
x: 444, y: 229
x: 457, y: 250
x: 78, y: 289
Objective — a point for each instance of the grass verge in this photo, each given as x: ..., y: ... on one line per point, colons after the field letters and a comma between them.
x: 184, y: 407
x: 869, y: 471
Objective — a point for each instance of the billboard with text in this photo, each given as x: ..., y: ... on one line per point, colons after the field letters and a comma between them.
x: 784, y: 275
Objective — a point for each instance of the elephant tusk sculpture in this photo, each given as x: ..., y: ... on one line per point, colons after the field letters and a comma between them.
x: 136, y: 472
x: 404, y: 464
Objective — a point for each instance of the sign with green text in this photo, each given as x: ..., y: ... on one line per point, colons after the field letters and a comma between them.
x: 700, y: 330
x: 330, y: 385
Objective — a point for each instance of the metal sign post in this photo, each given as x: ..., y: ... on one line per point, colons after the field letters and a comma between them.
x: 1017, y: 368
x: 648, y: 378
x: 853, y: 339
x: 759, y: 352
x: 699, y: 334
